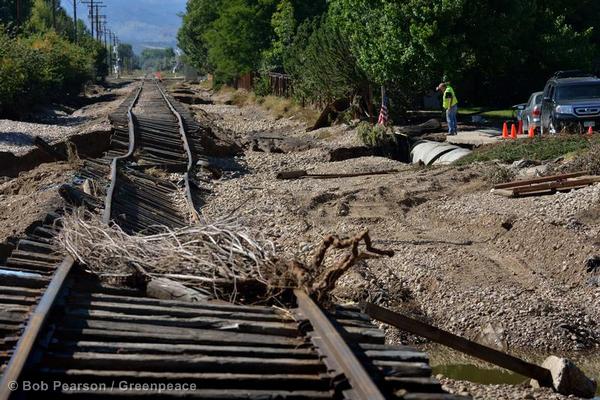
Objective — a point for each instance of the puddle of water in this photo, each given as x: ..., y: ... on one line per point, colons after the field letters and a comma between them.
x: 476, y: 374
x: 459, y: 366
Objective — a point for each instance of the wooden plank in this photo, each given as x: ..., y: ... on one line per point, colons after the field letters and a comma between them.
x: 15, y: 261
x: 474, y: 349
x: 555, y: 185
x: 262, y: 327
x: 288, y: 175
x: 205, y: 394
x: 20, y: 291
x: 207, y: 329
x: 137, y: 309
x: 9, y: 299
x: 197, y: 337
x: 182, y: 363
x: 12, y: 277
x: 180, y: 304
x: 10, y: 327
x: 403, y: 369
x: 397, y: 355
x: 203, y: 380
x: 22, y: 270
x: 385, y: 347
x: 46, y: 258
x: 362, y: 335
x: 539, y: 180
x: 415, y: 384
x: 11, y: 316
x: 190, y: 349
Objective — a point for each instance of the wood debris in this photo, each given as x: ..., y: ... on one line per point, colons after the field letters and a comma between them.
x: 546, y: 185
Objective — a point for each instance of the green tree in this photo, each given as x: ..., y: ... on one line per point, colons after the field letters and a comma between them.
x: 494, y: 51
x: 321, y: 64
x: 157, y: 59
x: 127, y: 56
x: 10, y: 16
x: 283, y: 23
x: 196, y: 21
x: 238, y: 37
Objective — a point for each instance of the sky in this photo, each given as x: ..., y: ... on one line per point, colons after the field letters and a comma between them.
x: 142, y: 23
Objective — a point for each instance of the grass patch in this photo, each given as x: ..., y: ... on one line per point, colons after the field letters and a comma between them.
x: 279, y: 107
x: 206, y: 84
x: 539, y: 149
x: 242, y: 97
x: 499, y: 114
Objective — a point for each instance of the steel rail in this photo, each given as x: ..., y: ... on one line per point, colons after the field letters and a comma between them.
x: 335, y: 347
x: 114, y: 166
x: 186, y: 146
x: 26, y: 342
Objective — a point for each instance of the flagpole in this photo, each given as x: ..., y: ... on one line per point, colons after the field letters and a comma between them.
x: 384, y: 112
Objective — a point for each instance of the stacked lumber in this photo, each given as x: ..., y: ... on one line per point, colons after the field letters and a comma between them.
x: 545, y: 185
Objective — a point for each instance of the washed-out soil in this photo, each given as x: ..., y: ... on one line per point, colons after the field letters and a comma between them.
x: 509, y: 273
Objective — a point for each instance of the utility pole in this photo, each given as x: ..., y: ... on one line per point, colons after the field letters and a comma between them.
x: 90, y: 4
x: 94, y: 8
x: 75, y: 21
x: 18, y: 13
x: 98, y: 21
x: 54, y: 14
x: 109, y: 49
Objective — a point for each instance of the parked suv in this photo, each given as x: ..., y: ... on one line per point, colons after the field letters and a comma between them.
x: 571, y: 102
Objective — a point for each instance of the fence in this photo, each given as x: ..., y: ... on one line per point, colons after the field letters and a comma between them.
x: 244, y: 82
x: 281, y: 84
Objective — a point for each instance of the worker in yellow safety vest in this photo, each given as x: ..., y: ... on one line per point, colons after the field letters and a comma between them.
x: 450, y: 104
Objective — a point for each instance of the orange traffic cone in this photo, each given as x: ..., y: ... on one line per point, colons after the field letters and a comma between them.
x: 590, y: 131
x: 505, y: 131
x: 531, y: 131
x: 513, y: 131
x: 520, y: 128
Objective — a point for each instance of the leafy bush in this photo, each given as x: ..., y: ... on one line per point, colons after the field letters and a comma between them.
x: 375, y: 135
x: 262, y: 85
x: 321, y: 65
x: 39, y: 68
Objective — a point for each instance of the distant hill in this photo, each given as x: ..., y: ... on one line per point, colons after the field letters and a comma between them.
x: 142, y: 23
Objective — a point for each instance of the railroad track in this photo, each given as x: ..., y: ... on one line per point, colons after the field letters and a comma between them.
x: 84, y: 339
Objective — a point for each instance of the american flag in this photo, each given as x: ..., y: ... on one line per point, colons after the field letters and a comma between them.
x: 383, y: 114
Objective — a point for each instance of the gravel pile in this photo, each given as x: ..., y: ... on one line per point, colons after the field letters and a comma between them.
x: 556, y: 208
x: 250, y: 120
x: 17, y: 137
x: 504, y: 392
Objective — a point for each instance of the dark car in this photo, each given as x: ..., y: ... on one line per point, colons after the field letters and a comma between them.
x: 570, y: 103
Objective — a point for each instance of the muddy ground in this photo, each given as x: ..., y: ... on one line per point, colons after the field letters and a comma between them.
x: 510, y: 273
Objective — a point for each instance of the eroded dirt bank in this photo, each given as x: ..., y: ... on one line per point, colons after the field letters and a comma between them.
x: 29, y: 178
